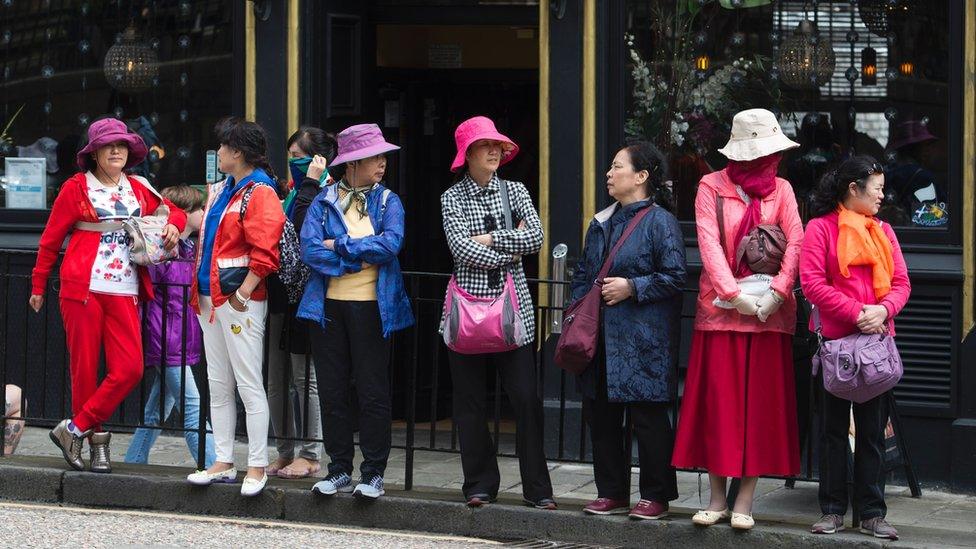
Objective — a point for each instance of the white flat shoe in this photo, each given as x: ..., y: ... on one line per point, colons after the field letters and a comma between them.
x: 203, y: 478
x: 742, y: 522
x: 252, y: 487
x: 708, y: 518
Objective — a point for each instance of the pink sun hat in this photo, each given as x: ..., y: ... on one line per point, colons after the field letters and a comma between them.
x: 480, y: 127
x: 109, y: 130
x: 361, y: 141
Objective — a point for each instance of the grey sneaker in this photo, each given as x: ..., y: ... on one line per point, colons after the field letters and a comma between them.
x: 879, y: 528
x: 333, y: 484
x: 69, y: 444
x: 98, y: 452
x: 369, y: 487
x: 828, y: 524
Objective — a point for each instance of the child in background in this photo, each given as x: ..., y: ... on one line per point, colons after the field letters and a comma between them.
x: 171, y: 281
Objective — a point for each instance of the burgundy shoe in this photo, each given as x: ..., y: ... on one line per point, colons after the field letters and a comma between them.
x: 607, y: 506
x: 649, y: 510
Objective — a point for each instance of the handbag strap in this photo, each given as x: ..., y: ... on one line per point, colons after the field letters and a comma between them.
x: 506, y: 205
x: 100, y: 227
x: 720, y: 218
x: 631, y: 226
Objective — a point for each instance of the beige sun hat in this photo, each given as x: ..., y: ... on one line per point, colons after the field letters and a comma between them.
x: 756, y: 133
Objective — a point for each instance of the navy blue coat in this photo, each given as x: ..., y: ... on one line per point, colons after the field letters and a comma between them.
x: 640, y: 334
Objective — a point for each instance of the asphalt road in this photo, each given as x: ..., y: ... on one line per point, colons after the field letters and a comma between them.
x: 29, y: 525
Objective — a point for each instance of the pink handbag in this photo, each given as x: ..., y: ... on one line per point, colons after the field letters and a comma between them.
x: 475, y: 325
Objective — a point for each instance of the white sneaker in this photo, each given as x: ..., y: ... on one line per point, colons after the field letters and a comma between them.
x: 369, y: 487
x: 333, y: 484
x: 252, y: 487
x: 203, y: 478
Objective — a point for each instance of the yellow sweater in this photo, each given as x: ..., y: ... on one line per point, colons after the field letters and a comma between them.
x: 359, y: 286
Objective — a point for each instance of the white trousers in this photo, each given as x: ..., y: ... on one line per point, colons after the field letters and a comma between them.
x: 234, y: 343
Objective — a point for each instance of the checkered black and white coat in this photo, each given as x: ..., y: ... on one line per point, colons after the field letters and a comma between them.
x: 469, y: 210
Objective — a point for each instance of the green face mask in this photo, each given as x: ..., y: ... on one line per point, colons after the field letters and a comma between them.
x: 299, y: 168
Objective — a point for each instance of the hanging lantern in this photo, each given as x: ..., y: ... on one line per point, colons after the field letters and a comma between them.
x: 804, y: 61
x: 881, y: 16
x: 702, y: 62
x: 869, y: 67
x: 131, y: 65
x: 906, y: 68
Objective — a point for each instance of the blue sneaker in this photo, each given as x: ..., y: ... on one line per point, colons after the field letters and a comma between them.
x: 369, y: 487
x: 333, y: 484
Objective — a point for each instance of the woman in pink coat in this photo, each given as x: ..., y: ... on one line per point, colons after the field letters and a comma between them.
x: 738, y: 411
x: 852, y: 270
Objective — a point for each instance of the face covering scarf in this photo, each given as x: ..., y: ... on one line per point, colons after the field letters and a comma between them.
x: 757, y: 179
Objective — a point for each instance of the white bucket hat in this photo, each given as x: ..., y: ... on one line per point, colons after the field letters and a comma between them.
x: 755, y: 134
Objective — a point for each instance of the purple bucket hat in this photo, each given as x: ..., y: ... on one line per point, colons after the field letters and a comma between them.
x: 909, y: 133
x: 109, y: 130
x: 361, y: 141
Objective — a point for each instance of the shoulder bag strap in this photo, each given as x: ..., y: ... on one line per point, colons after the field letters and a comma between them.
x: 720, y: 218
x: 506, y: 205
x: 631, y: 225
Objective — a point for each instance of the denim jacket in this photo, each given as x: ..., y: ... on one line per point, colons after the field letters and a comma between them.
x: 325, y: 221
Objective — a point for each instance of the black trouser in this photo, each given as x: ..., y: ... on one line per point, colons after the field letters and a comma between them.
x: 517, y: 369
x: 870, y: 419
x: 655, y: 443
x: 352, y: 346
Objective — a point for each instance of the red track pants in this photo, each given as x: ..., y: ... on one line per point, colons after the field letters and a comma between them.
x: 103, y: 321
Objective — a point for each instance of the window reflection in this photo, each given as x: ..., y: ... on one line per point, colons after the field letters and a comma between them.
x: 846, y: 77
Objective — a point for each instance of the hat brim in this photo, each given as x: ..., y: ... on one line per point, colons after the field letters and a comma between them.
x: 135, y: 144
x: 366, y: 152
x: 510, y: 149
x: 744, y: 150
x: 911, y: 141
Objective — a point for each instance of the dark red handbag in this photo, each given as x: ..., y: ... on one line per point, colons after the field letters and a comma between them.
x: 577, y: 343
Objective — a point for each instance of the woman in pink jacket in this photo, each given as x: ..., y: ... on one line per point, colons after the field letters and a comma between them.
x: 853, y: 272
x: 738, y: 411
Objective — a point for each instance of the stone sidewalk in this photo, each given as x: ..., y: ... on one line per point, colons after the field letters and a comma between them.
x: 573, y: 485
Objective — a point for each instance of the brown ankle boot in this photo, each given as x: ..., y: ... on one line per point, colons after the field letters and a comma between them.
x: 100, y: 462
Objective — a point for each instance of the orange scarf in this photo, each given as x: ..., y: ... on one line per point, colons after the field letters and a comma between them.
x: 862, y: 241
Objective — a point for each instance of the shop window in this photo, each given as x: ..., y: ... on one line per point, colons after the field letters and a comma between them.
x: 862, y: 77
x: 164, y: 67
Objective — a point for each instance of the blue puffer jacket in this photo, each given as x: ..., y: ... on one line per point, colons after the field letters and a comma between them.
x: 325, y: 221
x: 640, y: 334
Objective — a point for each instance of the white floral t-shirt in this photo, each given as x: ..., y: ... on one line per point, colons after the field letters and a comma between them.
x: 112, y: 272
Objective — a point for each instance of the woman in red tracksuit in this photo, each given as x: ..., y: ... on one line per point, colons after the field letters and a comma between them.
x: 100, y: 287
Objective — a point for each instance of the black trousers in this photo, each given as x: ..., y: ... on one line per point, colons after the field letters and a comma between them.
x: 517, y: 370
x: 611, y: 461
x: 870, y: 419
x: 352, y: 348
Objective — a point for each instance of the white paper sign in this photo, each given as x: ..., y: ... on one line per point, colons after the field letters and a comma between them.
x: 26, y: 183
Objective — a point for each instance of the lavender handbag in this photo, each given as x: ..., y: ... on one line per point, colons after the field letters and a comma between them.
x: 858, y: 367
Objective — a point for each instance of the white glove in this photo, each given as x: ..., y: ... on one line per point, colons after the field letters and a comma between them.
x: 768, y: 304
x: 745, y: 304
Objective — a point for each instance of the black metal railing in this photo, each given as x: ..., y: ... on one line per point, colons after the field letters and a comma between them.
x: 34, y: 356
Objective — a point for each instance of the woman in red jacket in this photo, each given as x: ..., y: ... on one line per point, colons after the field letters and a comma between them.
x: 100, y: 286
x: 853, y: 272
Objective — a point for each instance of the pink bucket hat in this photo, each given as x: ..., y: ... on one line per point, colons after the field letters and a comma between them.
x: 476, y: 128
x: 361, y: 141
x: 109, y: 130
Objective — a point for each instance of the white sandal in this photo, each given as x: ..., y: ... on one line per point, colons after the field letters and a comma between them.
x: 708, y: 518
x: 741, y: 521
